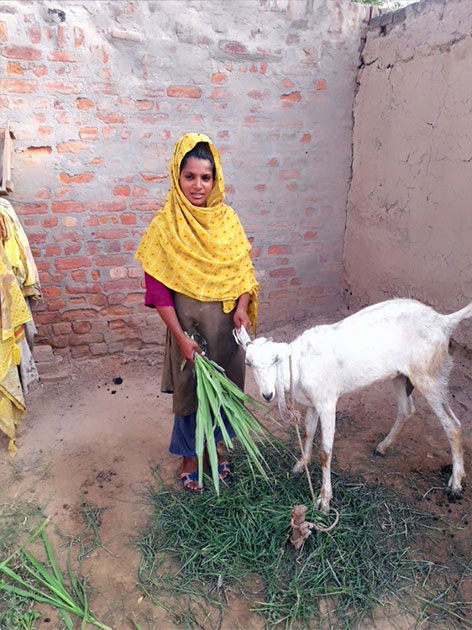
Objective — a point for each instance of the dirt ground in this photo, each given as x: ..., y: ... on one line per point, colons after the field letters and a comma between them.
x: 92, y: 440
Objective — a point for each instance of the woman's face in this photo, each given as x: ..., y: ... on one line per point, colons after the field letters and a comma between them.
x: 196, y: 181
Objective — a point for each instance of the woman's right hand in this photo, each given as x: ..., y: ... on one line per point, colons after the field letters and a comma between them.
x: 188, y: 347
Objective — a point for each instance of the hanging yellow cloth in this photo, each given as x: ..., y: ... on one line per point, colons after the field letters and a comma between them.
x: 200, y: 252
x: 17, y: 273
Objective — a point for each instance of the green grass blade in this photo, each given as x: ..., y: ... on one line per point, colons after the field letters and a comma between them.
x: 51, y: 558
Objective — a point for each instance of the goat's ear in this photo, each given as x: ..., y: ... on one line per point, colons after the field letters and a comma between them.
x: 241, y: 337
x: 283, y: 351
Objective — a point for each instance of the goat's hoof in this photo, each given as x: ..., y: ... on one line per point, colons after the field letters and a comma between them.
x: 378, y: 453
x: 297, y: 472
x: 453, y: 496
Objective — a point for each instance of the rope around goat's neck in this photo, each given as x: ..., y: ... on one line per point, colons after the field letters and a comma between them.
x: 295, y: 416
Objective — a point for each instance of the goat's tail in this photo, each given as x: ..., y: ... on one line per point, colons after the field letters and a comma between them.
x: 453, y: 319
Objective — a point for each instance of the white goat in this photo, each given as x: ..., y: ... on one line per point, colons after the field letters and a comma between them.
x: 399, y: 339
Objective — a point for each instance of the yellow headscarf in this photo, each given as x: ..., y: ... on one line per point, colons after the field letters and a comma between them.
x: 200, y: 252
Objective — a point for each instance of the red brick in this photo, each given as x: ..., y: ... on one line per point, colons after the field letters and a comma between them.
x: 153, y: 177
x: 42, y: 193
x: 321, y: 84
x: 218, y: 77
x: 88, y: 133
x: 116, y: 323
x: 79, y: 276
x: 58, y: 87
x: 83, y: 103
x: 81, y: 178
x: 128, y: 219
x: 292, y: 97
x: 259, y: 95
x: 62, y: 328
x: 56, y: 305
x: 183, y: 91
x: 96, y: 300
x: 38, y: 70
x: 68, y: 207
x: 76, y: 315
x: 21, y: 52
x: 52, y: 250
x: 72, y: 146
x: 278, y: 250
x: 46, y: 318
x: 45, y: 131
x: 291, y: 174
x: 72, y: 248
x: 112, y: 247
x: 87, y: 338
x: 31, y: 208
x: 114, y: 311
x: 81, y: 327
x: 116, y: 233
x: 3, y: 32
x: 121, y: 191
x: 59, y: 341
x: 45, y: 150
x: 113, y: 118
x: 282, y: 273
x: 78, y: 36
x: 59, y: 55
x: 306, y: 137
x: 108, y: 206
x: 13, y: 67
x: 145, y: 205
x: 134, y: 298
x: 18, y: 86
x: 308, y: 236
x: 144, y: 105
x: 128, y: 284
x: 103, y: 220
x: 51, y: 292
x: 58, y: 276
x: 140, y: 191
x: 221, y: 93
x: 79, y: 352
x: 76, y: 300
x: 72, y: 263
x: 110, y: 261
x: 235, y: 48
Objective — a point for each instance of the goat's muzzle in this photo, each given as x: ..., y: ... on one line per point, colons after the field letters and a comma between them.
x: 268, y: 397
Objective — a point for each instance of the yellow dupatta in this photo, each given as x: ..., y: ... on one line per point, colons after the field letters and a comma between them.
x: 200, y: 252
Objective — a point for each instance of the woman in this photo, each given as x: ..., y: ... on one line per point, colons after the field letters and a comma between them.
x: 200, y: 278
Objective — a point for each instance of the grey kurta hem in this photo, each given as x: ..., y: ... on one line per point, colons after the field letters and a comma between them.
x: 208, y: 320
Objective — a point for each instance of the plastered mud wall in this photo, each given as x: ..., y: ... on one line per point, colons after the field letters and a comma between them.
x: 98, y: 92
x: 409, y: 219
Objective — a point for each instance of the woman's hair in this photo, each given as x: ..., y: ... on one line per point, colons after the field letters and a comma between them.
x: 201, y: 151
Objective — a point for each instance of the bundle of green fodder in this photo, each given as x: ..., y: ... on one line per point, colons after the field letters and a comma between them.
x: 217, y: 397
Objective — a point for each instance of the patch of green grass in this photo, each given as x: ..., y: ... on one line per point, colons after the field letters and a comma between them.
x: 204, y: 546
x: 18, y: 519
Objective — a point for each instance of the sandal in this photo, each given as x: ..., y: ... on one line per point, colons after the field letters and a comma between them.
x: 224, y: 472
x: 189, y: 478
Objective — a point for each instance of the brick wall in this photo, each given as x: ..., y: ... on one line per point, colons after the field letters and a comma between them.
x: 98, y: 93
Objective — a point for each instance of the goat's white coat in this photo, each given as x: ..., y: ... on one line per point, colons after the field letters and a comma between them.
x: 398, y: 339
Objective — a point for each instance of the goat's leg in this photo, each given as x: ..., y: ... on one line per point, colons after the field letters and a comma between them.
x: 328, y: 422
x: 311, y: 423
x: 405, y: 409
x: 434, y: 392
